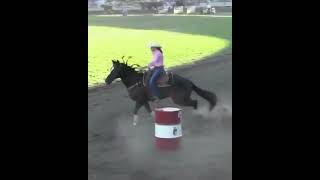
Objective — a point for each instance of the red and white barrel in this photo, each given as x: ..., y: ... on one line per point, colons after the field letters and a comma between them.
x: 168, y: 130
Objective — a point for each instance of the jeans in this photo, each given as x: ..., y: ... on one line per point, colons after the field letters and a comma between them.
x: 153, y: 81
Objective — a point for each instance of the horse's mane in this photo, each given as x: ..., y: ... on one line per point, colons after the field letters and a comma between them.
x: 127, y: 67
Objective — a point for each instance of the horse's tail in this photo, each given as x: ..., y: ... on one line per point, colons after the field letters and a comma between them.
x: 209, y: 96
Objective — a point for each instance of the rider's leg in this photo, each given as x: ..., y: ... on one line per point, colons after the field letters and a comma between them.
x: 153, y: 82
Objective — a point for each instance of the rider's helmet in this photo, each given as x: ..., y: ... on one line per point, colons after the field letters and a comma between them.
x: 154, y: 45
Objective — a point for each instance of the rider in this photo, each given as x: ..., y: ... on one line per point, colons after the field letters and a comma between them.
x: 158, y: 68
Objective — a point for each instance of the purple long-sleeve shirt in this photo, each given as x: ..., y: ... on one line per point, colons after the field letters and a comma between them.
x: 157, y: 59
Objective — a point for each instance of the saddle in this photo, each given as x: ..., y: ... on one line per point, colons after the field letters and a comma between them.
x: 164, y: 80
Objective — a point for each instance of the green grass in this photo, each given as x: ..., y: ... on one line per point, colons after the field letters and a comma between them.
x: 184, y: 40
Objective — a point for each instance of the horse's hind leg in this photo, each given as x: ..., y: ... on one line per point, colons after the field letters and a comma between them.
x: 192, y: 103
x: 185, y: 100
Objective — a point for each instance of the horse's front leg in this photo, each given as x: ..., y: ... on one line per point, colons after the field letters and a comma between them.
x: 135, y: 113
x: 148, y: 108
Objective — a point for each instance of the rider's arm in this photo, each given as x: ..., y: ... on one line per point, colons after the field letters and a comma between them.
x: 155, y: 58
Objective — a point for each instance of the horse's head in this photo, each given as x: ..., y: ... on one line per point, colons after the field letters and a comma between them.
x: 121, y: 70
x: 115, y: 73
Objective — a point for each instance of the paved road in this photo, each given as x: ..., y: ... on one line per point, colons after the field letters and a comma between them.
x: 119, y: 151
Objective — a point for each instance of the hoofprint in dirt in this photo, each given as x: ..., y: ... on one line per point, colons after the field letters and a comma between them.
x: 119, y: 150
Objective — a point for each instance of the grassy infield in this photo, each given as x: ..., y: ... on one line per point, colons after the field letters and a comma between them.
x: 184, y: 40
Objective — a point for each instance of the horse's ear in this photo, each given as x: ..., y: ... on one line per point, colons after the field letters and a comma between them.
x: 122, y: 57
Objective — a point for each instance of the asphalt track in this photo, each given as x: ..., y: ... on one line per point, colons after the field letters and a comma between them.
x: 119, y: 151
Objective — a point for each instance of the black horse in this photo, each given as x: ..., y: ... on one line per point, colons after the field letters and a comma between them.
x: 179, y: 90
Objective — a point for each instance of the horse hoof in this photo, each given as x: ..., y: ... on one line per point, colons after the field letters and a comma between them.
x: 135, y: 120
x: 197, y: 113
x: 135, y: 123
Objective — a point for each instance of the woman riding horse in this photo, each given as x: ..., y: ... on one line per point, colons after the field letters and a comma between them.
x: 179, y: 91
x: 157, y: 66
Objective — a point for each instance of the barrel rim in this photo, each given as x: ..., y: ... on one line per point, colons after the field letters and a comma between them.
x: 167, y: 109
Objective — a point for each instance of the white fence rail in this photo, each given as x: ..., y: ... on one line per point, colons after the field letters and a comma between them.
x: 191, y: 9
x: 95, y: 5
x: 178, y: 10
x: 128, y: 7
x: 218, y: 4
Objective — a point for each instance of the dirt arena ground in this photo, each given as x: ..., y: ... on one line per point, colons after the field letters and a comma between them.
x: 117, y: 150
